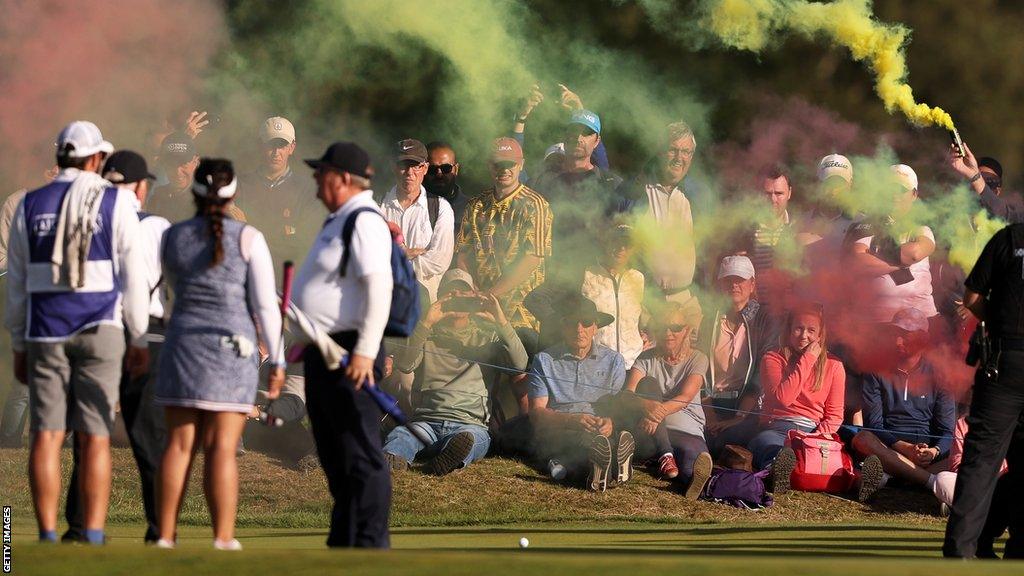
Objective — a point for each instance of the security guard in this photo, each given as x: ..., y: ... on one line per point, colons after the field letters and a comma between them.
x: 994, y: 294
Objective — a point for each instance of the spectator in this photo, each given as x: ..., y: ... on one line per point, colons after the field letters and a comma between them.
x: 985, y: 178
x: 803, y: 387
x: 15, y: 411
x: 735, y: 340
x: 618, y: 289
x: 772, y: 244
x: 826, y: 229
x: 908, y: 415
x: 429, y: 241
x: 452, y: 390
x: 279, y: 202
x: 669, y: 380
x: 662, y: 195
x: 440, y: 181
x: 566, y: 382
x: 175, y: 165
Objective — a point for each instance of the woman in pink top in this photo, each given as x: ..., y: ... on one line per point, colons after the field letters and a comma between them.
x: 803, y: 387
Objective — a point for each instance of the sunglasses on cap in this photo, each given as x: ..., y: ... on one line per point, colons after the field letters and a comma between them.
x: 503, y: 165
x: 585, y: 322
x: 440, y: 168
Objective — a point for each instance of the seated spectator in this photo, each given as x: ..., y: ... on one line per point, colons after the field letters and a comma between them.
x: 566, y: 383
x: 908, y: 416
x: 803, y: 387
x: 734, y: 341
x: 451, y: 393
x: 618, y: 289
x: 668, y: 380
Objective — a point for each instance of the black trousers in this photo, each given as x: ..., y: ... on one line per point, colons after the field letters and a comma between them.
x: 995, y: 430
x: 147, y: 434
x: 346, y: 427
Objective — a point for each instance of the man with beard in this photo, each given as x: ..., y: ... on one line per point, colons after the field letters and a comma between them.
x: 442, y: 170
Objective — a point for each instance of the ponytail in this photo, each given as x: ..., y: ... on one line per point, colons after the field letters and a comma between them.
x: 214, y: 187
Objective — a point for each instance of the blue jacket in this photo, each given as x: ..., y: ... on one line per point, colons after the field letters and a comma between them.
x: 914, y: 405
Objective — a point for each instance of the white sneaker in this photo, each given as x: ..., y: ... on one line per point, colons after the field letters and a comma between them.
x: 165, y: 544
x: 232, y: 545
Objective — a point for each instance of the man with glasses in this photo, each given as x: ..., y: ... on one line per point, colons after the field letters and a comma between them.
x: 985, y: 177
x: 429, y: 239
x: 442, y: 171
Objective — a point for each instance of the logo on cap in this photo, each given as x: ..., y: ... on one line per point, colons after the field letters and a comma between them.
x: 177, y: 147
x: 278, y: 126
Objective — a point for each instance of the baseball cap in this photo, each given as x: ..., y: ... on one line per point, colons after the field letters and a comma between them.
x: 911, y: 320
x: 992, y: 164
x: 346, y: 157
x: 586, y: 118
x: 736, y: 266
x: 81, y: 139
x: 177, y: 148
x: 277, y: 128
x: 906, y: 176
x: 410, y: 149
x: 507, y: 149
x: 835, y: 165
x: 554, y: 149
x: 125, y: 167
x: 455, y: 276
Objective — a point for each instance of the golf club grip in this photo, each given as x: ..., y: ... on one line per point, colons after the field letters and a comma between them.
x: 286, y: 286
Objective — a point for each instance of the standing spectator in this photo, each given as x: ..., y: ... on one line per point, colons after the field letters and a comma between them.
x: 618, y: 289
x: 353, y: 308
x: 985, y: 178
x: 429, y: 239
x: 825, y: 230
x: 441, y: 179
x: 15, y: 411
x: 222, y: 276
x: 566, y: 382
x: 669, y: 379
x: 660, y: 196
x: 453, y: 353
x: 67, y: 323
x: 909, y: 416
x: 772, y: 244
x: 279, y: 202
x: 735, y: 340
x: 175, y: 165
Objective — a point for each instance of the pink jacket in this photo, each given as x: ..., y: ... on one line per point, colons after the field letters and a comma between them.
x: 788, y: 391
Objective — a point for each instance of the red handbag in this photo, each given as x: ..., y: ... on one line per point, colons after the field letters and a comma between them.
x: 822, y: 465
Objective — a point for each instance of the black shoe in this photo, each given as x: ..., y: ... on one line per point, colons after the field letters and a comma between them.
x: 870, y: 478
x: 624, y: 458
x: 600, y: 458
x: 396, y: 463
x: 782, y: 469
x: 453, y: 455
x: 701, y: 474
x: 73, y: 536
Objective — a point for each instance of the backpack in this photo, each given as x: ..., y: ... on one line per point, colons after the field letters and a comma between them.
x: 738, y: 488
x: 405, y: 297
x: 822, y: 465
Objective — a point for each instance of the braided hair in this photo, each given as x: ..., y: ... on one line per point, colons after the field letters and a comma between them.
x: 211, y: 175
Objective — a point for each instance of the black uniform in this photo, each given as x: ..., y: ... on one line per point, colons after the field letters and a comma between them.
x: 997, y: 407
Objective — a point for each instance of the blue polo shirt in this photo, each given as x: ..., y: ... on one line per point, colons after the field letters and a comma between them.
x: 912, y: 406
x: 573, y: 385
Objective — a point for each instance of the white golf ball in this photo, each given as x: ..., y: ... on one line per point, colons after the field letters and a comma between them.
x: 523, y: 542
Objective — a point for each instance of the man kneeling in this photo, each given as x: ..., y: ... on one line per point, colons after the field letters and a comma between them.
x: 565, y: 382
x: 462, y: 333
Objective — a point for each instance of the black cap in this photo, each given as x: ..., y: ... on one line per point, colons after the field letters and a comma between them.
x: 410, y: 149
x: 125, y: 167
x: 991, y: 164
x: 177, y: 148
x: 345, y: 157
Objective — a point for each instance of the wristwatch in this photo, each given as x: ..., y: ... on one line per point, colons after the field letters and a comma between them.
x: 974, y: 178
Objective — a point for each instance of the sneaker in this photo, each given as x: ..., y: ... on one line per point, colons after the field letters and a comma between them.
x: 165, y: 544
x: 453, y: 455
x: 782, y: 469
x: 396, y: 463
x: 557, y: 470
x: 943, y: 510
x: 624, y: 457
x: 600, y: 457
x: 870, y: 478
x: 232, y: 545
x: 73, y: 536
x: 667, y: 468
x: 701, y: 473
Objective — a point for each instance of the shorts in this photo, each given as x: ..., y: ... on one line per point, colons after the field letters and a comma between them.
x: 74, y: 384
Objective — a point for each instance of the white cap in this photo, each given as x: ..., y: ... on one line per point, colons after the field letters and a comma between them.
x: 911, y: 320
x: 835, y: 165
x: 736, y: 266
x: 277, y: 128
x: 84, y: 138
x: 905, y: 175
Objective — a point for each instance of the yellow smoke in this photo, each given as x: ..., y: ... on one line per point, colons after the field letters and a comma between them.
x: 752, y: 24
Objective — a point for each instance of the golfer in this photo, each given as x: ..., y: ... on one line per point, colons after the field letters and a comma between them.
x: 221, y: 273
x: 353, y: 307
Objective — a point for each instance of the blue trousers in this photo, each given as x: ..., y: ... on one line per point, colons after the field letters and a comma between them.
x: 767, y: 444
x: 401, y: 441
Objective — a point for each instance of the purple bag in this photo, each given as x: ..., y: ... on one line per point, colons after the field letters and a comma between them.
x: 738, y: 488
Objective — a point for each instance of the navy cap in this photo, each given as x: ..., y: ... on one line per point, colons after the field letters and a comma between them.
x: 345, y: 157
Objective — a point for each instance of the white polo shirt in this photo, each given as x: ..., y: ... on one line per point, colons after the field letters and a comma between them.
x: 339, y: 303
x: 674, y: 260
x: 883, y: 298
x: 151, y: 231
x: 439, y: 240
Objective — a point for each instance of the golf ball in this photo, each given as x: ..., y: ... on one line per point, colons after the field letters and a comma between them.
x: 523, y: 542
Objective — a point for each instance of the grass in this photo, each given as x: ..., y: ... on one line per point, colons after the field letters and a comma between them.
x: 471, y: 522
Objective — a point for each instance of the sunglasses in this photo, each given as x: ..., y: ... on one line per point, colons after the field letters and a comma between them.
x: 585, y: 322
x: 504, y: 165
x: 440, y: 168
x: 408, y: 165
x: 674, y: 328
x: 993, y: 183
